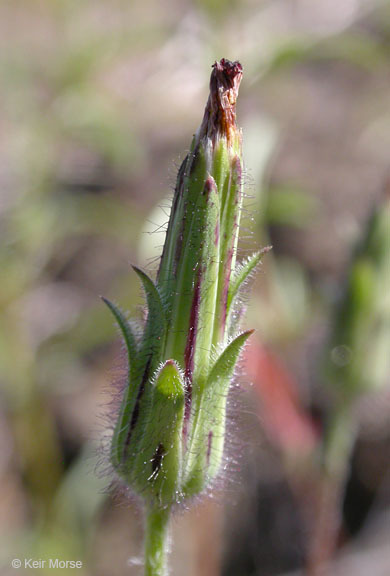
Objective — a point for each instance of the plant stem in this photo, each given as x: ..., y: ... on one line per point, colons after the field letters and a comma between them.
x: 337, y: 448
x: 156, y: 541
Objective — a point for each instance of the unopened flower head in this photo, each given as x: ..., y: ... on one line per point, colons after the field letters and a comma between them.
x: 169, y: 438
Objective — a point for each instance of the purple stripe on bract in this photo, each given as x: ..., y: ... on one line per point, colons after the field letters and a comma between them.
x: 179, y: 246
x: 189, y: 353
x: 135, y: 415
x: 177, y: 196
x: 216, y: 237
x: 209, y: 441
x: 209, y: 185
x: 192, y: 161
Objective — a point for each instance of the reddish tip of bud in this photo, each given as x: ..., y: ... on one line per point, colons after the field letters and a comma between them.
x: 220, y: 114
x: 209, y: 186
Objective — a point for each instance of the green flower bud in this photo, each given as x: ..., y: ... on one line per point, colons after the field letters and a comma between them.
x: 168, y: 442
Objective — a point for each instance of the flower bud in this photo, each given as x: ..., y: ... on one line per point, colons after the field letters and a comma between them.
x: 169, y: 439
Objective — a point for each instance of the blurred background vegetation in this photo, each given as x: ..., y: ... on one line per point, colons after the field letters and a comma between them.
x: 99, y: 101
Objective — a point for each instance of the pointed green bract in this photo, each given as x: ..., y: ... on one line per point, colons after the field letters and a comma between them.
x: 159, y: 454
x: 231, y: 200
x: 187, y: 188
x: 206, y: 443
x: 199, y: 338
x: 155, y: 308
x: 224, y: 367
x: 156, y: 323
x: 217, y: 391
x: 191, y: 264
x: 130, y: 391
x: 127, y: 333
x: 129, y: 426
x: 241, y: 275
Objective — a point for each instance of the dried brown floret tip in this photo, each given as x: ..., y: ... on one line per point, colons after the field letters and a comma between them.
x: 220, y: 113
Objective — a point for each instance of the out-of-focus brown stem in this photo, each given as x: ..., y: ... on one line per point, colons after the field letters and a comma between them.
x: 208, y: 539
x: 326, y: 515
x: 326, y: 522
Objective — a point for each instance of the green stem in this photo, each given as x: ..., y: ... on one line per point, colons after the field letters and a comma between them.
x: 156, y: 541
x: 339, y: 441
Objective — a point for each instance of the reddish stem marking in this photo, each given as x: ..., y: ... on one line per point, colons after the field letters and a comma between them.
x: 209, y: 440
x: 135, y: 415
x: 189, y: 353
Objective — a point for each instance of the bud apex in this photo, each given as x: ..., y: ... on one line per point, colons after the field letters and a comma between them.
x: 220, y: 115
